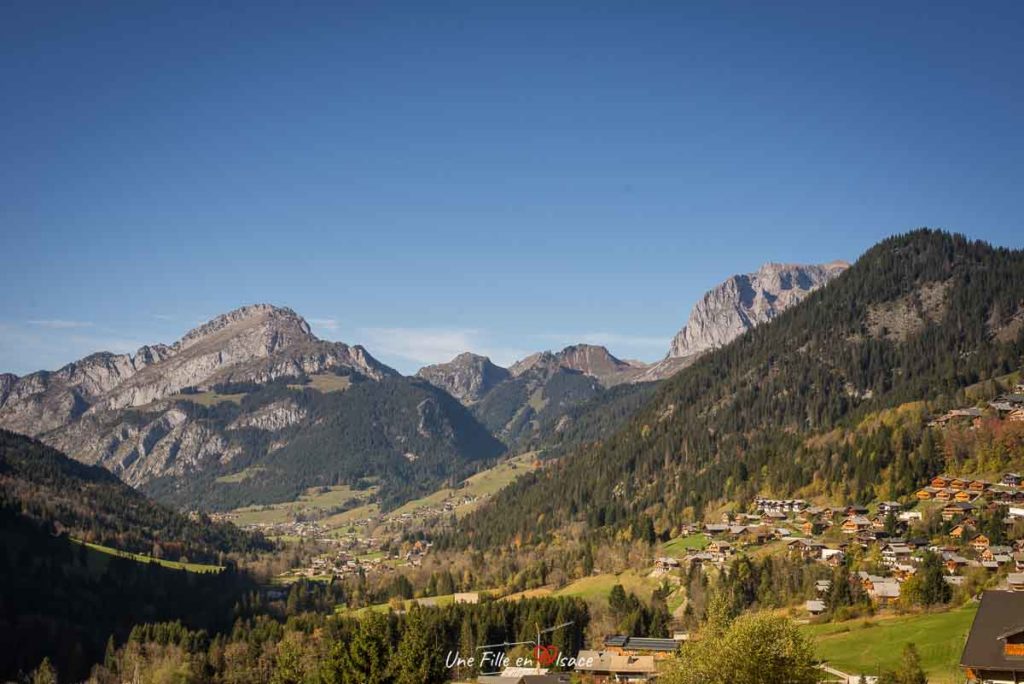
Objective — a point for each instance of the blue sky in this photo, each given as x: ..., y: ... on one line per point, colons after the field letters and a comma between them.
x: 422, y: 178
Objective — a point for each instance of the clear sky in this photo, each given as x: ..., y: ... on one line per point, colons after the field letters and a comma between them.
x: 427, y: 177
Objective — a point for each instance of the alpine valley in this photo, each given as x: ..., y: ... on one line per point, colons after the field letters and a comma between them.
x: 315, y: 516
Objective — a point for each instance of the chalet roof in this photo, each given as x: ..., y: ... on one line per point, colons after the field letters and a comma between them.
x: 531, y: 677
x: 602, y: 661
x: 886, y: 588
x: 897, y: 548
x: 999, y: 613
x: 641, y: 643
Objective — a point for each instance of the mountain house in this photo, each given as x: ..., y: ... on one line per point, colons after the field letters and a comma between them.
x: 995, y: 646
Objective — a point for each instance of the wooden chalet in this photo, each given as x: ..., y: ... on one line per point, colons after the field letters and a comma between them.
x: 980, y: 543
x: 956, y: 509
x: 966, y: 496
x: 994, y: 653
x: 855, y: 524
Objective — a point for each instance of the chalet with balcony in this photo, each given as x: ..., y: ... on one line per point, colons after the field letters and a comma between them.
x: 887, y: 507
x: 855, y: 524
x: 980, y: 543
x: 966, y: 496
x: 955, y: 510
x: 893, y: 554
x: 806, y: 548
x: 720, y: 550
x: 961, y: 531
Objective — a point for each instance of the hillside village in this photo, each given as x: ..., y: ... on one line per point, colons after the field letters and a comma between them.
x: 969, y: 523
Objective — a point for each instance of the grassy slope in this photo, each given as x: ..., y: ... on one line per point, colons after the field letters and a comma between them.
x: 481, y: 484
x: 678, y: 547
x: 865, y: 646
x: 311, y: 502
x: 174, y: 565
x: 484, y: 483
x: 597, y: 587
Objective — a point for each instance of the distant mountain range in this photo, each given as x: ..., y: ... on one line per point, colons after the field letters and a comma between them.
x: 217, y: 418
x: 252, y: 407
x: 547, y: 388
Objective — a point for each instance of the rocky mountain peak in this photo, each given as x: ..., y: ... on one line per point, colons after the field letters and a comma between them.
x: 738, y: 304
x: 467, y: 377
x: 284, y: 324
x: 589, y: 359
x: 255, y: 343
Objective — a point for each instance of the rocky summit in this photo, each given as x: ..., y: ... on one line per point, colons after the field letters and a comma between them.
x: 467, y: 377
x: 738, y: 304
x: 124, y: 411
x: 251, y: 344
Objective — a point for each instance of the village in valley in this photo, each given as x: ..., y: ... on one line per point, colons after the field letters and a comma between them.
x: 973, y: 526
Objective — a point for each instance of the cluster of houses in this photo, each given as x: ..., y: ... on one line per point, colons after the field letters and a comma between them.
x: 1007, y: 492
x: 824, y: 534
x: 1006, y: 407
x: 619, y: 658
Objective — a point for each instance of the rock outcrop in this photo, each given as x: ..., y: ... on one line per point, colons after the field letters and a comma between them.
x: 737, y: 305
x: 252, y: 344
x: 467, y: 377
x: 118, y: 410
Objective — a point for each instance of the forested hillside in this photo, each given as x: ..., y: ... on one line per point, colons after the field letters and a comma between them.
x: 64, y: 600
x: 419, y: 645
x: 919, y: 316
x: 401, y: 432
x: 93, y: 505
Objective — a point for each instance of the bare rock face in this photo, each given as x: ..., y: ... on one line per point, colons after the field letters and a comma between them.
x: 252, y: 344
x: 271, y: 418
x: 467, y: 377
x: 739, y: 304
x: 86, y: 408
